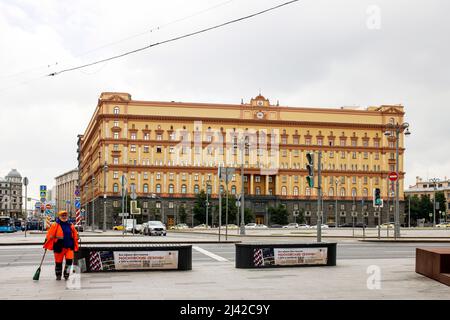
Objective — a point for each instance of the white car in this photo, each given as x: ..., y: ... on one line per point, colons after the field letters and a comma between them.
x: 291, y: 226
x: 202, y: 226
x: 304, y: 226
x: 180, y: 226
x: 261, y: 226
x: 323, y: 226
x: 251, y: 226
x: 154, y: 228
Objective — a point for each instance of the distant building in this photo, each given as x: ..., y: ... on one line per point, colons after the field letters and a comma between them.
x: 426, y: 187
x: 65, y: 187
x: 11, y: 194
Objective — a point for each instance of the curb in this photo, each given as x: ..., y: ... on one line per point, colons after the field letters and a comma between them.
x: 407, y: 240
x: 126, y: 242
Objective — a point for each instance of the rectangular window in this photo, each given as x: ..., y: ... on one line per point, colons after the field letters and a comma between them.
x: 145, y: 175
x: 116, y: 175
x: 195, y: 177
x: 133, y: 148
x: 116, y: 147
x: 353, y: 143
x: 257, y: 179
x: 342, y: 154
x: 171, y: 176
x: 158, y: 204
x: 376, y: 144
x: 365, y: 143
x: 308, y: 141
x: 331, y: 154
x: 342, y: 142
x: 377, y: 156
x: 146, y: 136
x: 172, y: 150
x: 159, y: 149
x: 159, y: 137
x: 366, y: 155
x: 115, y: 160
x: 133, y: 136
x: 116, y: 135
x: 158, y: 176
x: 295, y: 140
x: 116, y: 123
x: 354, y: 155
x: 170, y: 204
x: 319, y: 142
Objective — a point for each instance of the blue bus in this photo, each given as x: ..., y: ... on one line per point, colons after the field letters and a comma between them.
x: 7, y: 224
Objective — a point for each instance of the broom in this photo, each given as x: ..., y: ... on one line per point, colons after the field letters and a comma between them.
x: 38, y: 271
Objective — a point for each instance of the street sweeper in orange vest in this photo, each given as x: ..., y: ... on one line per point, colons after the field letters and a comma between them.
x: 62, y: 238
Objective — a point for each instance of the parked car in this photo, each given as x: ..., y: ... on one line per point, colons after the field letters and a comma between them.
x: 304, y: 226
x: 261, y: 226
x: 346, y: 225
x: 291, y: 226
x: 276, y: 226
x: 118, y: 228
x: 323, y: 226
x: 250, y: 226
x: 387, y: 226
x: 443, y: 225
x: 202, y: 226
x: 180, y: 226
x: 154, y: 228
x: 232, y: 226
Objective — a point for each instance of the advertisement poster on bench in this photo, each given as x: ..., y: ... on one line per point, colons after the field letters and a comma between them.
x: 145, y: 260
x: 289, y: 256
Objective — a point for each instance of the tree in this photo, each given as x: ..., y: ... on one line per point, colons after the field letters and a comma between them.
x: 249, y: 216
x: 278, y: 215
x: 182, y: 214
x: 440, y: 201
x: 425, y: 207
x: 232, y: 209
x: 199, y: 208
x: 415, y: 208
x: 301, y: 216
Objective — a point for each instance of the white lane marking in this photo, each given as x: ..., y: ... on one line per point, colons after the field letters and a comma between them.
x: 209, y: 254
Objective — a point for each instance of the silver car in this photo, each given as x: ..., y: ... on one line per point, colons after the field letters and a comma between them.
x: 154, y: 228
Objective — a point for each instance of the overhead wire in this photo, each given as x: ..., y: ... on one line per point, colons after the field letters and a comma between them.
x: 173, y: 39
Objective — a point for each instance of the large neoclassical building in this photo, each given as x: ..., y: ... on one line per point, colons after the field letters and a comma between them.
x: 172, y: 150
x: 11, y: 201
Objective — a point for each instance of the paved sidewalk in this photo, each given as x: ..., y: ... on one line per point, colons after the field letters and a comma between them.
x: 221, y: 280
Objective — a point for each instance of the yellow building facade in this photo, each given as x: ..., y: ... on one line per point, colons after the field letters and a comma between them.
x: 170, y: 151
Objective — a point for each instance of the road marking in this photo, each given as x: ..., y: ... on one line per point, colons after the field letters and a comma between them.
x: 209, y: 254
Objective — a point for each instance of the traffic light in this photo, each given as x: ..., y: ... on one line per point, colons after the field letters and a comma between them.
x: 310, y: 168
x: 377, y: 197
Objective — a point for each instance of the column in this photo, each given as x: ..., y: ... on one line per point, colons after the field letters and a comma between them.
x: 267, y: 186
x: 251, y: 185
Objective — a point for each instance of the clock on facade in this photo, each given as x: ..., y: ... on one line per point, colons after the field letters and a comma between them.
x: 260, y: 103
x: 260, y: 115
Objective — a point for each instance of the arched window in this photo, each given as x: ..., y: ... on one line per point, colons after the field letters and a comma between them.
x: 133, y: 187
x: 342, y: 192
x: 258, y: 191
x: 116, y: 110
x: 283, y: 191
x: 183, y: 188
x: 145, y: 188
x: 331, y: 192
x: 116, y: 187
x: 170, y: 188
x: 158, y: 188
x: 365, y: 192
x: 196, y: 189
x: 233, y: 190
x: 308, y: 191
x: 295, y: 191
x: 209, y: 189
x: 354, y: 193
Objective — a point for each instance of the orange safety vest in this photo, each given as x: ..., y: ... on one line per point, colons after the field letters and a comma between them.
x: 55, y: 233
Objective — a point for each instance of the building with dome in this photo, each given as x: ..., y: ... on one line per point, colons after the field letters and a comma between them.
x: 11, y: 194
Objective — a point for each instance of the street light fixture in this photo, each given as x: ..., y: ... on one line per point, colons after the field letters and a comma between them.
x: 435, y: 181
x: 105, y: 170
x: 394, y: 130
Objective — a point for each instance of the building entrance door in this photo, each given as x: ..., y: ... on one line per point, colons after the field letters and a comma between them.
x: 259, y: 220
x: 170, y: 221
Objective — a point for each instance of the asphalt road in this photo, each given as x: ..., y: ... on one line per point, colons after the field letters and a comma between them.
x: 11, y: 256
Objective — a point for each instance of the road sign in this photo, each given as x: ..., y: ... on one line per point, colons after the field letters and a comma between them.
x: 393, y: 176
x: 295, y: 213
x: 77, y: 192
x: 43, y: 199
x: 43, y: 194
x: 77, y: 204
x: 123, y: 214
x: 43, y: 188
x: 37, y: 205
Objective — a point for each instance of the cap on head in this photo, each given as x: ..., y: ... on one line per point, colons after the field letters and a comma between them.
x: 62, y: 213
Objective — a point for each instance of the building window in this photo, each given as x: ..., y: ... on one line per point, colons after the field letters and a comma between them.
x: 319, y: 142
x: 257, y: 178
x: 158, y: 149
x: 115, y: 204
x: 366, y: 155
x: 354, y: 155
x: 116, y: 110
x: 258, y: 191
x: 354, y: 193
x: 159, y: 137
x: 183, y: 188
x: 308, y: 191
x: 116, y: 147
x: 116, y: 135
x: 158, y: 188
x: 115, y: 188
x: 171, y: 176
x: 233, y: 190
x: 295, y: 191
x: 170, y: 204
x: 342, y: 192
x: 342, y: 154
x: 145, y: 188
x: 116, y: 124
x: 146, y: 136
x: 158, y: 204
x: 196, y: 189
x: 146, y: 149
x: 365, y: 192
x: 133, y: 148
x: 115, y: 160
x: 331, y: 192
x: 171, y: 188
x: 133, y: 136
x: 145, y: 175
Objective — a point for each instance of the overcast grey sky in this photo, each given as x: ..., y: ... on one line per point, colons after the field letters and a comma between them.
x: 312, y: 53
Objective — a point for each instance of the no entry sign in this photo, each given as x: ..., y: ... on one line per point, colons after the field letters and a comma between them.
x: 393, y: 176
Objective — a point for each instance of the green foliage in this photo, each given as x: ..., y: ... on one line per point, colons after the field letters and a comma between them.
x: 232, y: 209
x: 199, y: 208
x: 249, y: 216
x: 278, y: 215
x: 182, y: 214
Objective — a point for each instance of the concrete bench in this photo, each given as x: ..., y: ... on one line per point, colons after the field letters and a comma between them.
x: 133, y: 257
x: 285, y: 255
x: 434, y: 263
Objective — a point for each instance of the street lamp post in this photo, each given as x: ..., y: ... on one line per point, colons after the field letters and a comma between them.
x: 435, y: 181
x: 207, y: 204
x: 25, y: 183
x: 336, y: 204
x: 397, y: 128
x: 93, y: 211
x: 242, y: 207
x: 105, y: 170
